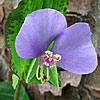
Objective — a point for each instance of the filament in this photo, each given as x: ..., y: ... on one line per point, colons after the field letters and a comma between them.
x: 37, y: 72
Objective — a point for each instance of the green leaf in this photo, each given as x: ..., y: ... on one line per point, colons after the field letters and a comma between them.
x: 14, y: 23
x: 60, y: 5
x: 14, y: 80
x: 34, y: 80
x: 59, y: 82
x: 32, y: 70
x: 59, y: 69
x: 48, y: 4
x: 7, y: 92
x: 53, y: 75
x: 50, y: 46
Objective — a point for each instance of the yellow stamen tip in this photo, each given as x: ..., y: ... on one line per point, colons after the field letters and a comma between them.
x: 50, y: 59
x: 49, y: 53
x: 41, y: 77
x: 48, y: 78
x: 54, y: 60
x: 57, y: 57
x: 43, y: 74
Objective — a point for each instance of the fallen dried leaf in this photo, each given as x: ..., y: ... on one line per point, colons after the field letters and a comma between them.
x: 66, y: 78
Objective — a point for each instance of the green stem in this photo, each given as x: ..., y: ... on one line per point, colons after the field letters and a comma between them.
x: 17, y: 91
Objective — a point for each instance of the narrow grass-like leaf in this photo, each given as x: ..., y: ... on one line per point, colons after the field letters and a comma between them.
x: 32, y: 70
x: 53, y: 75
x: 34, y: 80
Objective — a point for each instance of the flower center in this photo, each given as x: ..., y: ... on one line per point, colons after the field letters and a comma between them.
x: 47, y: 60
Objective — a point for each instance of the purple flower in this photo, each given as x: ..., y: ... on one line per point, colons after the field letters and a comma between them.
x: 72, y: 49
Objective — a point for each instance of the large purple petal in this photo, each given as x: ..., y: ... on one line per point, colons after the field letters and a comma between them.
x: 76, y: 49
x: 39, y: 29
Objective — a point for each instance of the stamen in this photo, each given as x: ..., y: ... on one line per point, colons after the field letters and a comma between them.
x: 43, y: 74
x: 42, y: 80
x: 46, y: 64
x: 50, y: 59
x: 37, y: 72
x: 41, y: 77
x: 48, y: 53
x: 41, y: 70
x: 47, y: 60
x: 47, y: 71
x: 57, y: 57
x: 48, y: 78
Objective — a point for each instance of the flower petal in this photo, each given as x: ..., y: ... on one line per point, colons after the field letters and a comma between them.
x: 76, y: 49
x: 40, y: 28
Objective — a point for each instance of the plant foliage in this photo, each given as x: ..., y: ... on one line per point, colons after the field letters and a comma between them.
x: 15, y: 20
